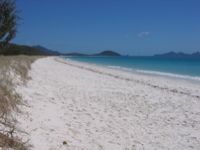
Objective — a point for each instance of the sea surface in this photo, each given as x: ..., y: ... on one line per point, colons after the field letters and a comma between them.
x: 179, y: 67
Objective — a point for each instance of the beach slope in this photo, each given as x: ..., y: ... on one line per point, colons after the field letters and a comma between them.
x: 74, y: 105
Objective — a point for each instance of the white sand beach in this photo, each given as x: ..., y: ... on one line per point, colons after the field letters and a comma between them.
x: 74, y: 106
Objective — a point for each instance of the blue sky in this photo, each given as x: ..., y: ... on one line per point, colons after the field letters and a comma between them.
x: 134, y: 27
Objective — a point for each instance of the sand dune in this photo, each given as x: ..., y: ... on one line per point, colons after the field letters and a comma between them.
x: 79, y: 106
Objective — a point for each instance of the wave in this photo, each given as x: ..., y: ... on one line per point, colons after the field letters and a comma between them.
x: 121, y: 68
x: 169, y: 75
x: 115, y: 67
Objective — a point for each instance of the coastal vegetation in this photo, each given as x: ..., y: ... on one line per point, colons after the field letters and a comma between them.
x: 8, y: 21
x: 13, y: 72
x: 14, y: 49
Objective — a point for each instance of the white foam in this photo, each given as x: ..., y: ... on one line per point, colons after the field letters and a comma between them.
x: 115, y: 67
x: 169, y: 75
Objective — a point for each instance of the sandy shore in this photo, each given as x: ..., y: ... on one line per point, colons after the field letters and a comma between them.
x: 91, y: 107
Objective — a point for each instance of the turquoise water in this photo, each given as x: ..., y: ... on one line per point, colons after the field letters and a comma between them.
x: 176, y: 67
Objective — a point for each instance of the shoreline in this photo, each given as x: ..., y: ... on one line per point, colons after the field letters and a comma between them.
x: 134, y: 76
x: 93, y: 107
x: 165, y: 73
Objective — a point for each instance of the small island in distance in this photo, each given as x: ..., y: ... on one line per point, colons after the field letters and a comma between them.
x: 178, y: 54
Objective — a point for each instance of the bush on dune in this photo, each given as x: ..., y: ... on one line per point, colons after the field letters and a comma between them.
x: 13, y: 71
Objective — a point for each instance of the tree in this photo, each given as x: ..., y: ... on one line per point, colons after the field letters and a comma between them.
x: 8, y: 21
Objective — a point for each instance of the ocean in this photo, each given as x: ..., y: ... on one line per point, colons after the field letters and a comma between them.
x: 179, y: 67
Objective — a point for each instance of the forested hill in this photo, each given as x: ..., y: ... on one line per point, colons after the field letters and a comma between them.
x: 43, y: 49
x: 107, y: 53
x: 13, y: 49
x: 104, y: 53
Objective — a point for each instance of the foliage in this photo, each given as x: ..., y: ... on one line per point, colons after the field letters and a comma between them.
x: 8, y: 21
x: 13, y: 49
x: 13, y: 71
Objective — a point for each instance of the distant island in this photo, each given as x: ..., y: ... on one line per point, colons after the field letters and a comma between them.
x: 107, y: 53
x: 178, y: 54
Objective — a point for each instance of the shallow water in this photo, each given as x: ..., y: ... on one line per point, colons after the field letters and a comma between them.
x: 186, y: 68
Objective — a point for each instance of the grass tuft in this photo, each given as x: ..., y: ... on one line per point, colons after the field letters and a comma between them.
x: 13, y: 71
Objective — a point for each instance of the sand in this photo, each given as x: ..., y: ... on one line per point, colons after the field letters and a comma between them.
x: 72, y: 105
